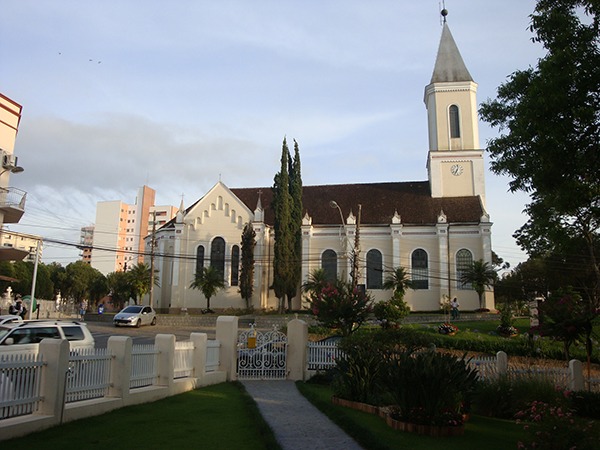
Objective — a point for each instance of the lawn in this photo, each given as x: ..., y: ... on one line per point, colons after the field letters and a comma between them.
x: 371, y: 431
x: 222, y: 416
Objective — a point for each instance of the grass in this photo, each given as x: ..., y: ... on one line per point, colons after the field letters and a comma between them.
x: 222, y: 416
x: 372, y: 433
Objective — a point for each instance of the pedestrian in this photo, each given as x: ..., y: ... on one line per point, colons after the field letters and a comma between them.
x: 20, y: 309
x: 83, y: 309
x: 454, y: 305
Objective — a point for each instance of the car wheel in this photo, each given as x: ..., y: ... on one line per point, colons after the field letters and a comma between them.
x: 116, y: 325
x: 139, y: 323
x: 153, y: 321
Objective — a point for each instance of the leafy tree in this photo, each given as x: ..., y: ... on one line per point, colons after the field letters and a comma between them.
x: 549, y: 116
x: 295, y: 187
x: 480, y: 275
x: 340, y: 306
x: 247, y: 270
x: 284, y: 239
x: 209, y: 280
x: 79, y: 280
x: 140, y: 279
x: 563, y: 316
x: 58, y: 275
x: 119, y: 288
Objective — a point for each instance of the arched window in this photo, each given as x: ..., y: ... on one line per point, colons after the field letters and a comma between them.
x: 329, y: 264
x: 420, y: 269
x: 454, y: 121
x: 217, y: 255
x: 235, y: 265
x: 464, y: 260
x: 374, y: 269
x: 199, y: 258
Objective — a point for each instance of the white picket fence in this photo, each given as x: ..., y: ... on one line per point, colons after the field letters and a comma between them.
x: 212, y: 356
x: 184, y: 363
x: 20, y: 376
x: 89, y: 374
x: 143, y: 365
x: 321, y: 355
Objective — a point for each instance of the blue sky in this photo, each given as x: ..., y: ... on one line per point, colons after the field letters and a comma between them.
x: 120, y: 93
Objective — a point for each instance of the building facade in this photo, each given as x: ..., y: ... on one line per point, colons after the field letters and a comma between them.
x: 12, y: 200
x: 434, y: 229
x: 119, y: 231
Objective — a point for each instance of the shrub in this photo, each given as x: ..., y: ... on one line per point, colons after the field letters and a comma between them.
x: 504, y: 397
x: 428, y: 387
x: 585, y: 403
x: 554, y: 427
x: 391, y: 312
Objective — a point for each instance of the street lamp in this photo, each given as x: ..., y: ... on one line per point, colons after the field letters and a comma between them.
x: 14, y: 169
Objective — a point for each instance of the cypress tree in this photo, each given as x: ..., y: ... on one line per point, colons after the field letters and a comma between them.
x: 295, y: 187
x: 284, y: 243
x: 247, y: 271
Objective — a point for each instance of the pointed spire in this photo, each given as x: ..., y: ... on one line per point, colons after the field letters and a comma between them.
x: 449, y: 65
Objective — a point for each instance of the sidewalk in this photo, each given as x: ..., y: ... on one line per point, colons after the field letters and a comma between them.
x: 296, y: 423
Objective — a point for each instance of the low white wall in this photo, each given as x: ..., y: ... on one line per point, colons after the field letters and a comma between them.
x: 52, y: 411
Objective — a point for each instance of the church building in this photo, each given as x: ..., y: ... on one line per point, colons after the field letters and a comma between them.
x: 434, y: 229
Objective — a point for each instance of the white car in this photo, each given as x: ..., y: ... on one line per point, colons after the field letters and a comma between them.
x: 135, y: 316
x: 26, y: 336
x: 10, y: 318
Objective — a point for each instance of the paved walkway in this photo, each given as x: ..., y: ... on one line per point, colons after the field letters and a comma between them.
x: 297, y: 424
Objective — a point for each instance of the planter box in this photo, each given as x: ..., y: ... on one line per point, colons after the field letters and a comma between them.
x: 427, y: 430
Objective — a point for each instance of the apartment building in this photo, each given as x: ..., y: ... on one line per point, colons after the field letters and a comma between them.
x: 118, y: 234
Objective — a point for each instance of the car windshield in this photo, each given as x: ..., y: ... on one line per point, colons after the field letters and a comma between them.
x: 3, y: 332
x: 132, y: 309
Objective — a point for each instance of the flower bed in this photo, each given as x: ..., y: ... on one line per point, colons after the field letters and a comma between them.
x: 447, y: 328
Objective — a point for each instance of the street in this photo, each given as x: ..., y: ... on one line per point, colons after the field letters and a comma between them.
x: 144, y: 335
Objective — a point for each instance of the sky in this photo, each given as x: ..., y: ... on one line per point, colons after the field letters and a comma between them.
x: 178, y: 95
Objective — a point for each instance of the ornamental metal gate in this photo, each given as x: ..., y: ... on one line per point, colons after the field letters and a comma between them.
x: 262, y: 356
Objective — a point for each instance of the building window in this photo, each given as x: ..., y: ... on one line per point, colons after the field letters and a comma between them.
x: 329, y: 265
x: 374, y: 269
x: 199, y: 258
x: 464, y: 260
x: 420, y: 269
x: 454, y: 121
x: 235, y: 265
x: 217, y: 255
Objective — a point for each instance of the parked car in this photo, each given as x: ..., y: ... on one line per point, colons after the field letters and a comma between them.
x: 26, y: 336
x: 10, y: 318
x: 135, y: 316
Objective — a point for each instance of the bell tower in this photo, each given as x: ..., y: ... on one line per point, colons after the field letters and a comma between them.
x: 455, y: 161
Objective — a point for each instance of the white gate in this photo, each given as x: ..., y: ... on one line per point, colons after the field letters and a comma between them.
x: 262, y: 356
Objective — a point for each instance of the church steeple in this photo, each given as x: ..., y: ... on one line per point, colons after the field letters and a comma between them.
x: 455, y: 162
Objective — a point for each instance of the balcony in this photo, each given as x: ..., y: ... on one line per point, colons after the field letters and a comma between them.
x: 12, y: 204
x: 12, y: 254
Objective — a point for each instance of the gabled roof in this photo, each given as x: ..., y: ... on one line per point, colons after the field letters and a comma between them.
x: 449, y: 65
x: 379, y: 201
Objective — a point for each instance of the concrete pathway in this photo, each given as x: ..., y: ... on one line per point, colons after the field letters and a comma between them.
x: 297, y: 424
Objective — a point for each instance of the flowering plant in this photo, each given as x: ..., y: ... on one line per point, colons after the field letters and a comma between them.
x: 554, y: 427
x: 447, y: 328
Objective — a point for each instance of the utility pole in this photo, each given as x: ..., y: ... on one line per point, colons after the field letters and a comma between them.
x: 152, y: 244
x: 356, y: 251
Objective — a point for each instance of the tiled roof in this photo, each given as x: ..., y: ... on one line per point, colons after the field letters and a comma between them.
x: 379, y: 201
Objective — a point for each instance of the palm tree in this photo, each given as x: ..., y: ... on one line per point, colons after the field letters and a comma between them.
x: 210, y: 281
x: 139, y: 277
x: 479, y: 275
x: 399, y: 281
x: 316, y: 281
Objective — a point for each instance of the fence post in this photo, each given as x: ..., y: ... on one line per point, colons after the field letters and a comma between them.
x: 120, y: 347
x: 199, y: 358
x: 501, y: 363
x: 165, y: 370
x: 227, y: 335
x: 576, y: 375
x: 296, y: 352
x: 54, y: 375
